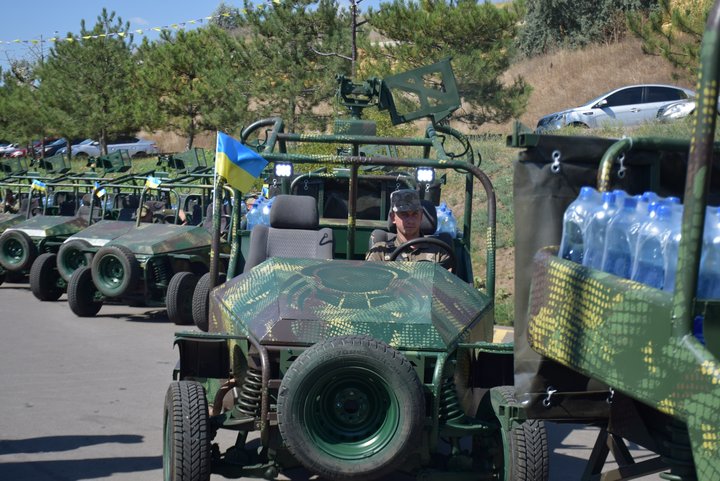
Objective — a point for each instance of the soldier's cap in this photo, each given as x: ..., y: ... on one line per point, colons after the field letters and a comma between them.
x: 405, y: 200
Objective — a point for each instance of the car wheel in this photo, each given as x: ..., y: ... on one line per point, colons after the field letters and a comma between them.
x: 17, y: 251
x: 2, y: 275
x: 137, y: 155
x: 45, y: 282
x: 186, y: 433
x: 81, y: 155
x: 115, y: 270
x: 71, y: 257
x: 351, y: 408
x: 201, y: 301
x: 520, y: 454
x: 83, y: 297
x: 180, y: 297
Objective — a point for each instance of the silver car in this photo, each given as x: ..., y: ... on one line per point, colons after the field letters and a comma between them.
x: 631, y: 105
x: 136, y: 147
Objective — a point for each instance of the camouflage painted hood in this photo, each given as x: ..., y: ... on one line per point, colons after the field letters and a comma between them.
x: 9, y: 220
x: 51, y: 225
x: 103, y: 232
x: 158, y: 238
x: 409, y: 305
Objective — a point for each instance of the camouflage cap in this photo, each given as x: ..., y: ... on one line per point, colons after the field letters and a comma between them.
x: 405, y: 200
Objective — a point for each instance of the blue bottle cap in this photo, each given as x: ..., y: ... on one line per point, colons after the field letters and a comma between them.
x: 630, y: 202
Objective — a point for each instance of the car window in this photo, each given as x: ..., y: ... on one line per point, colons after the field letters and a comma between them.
x: 664, y: 94
x: 632, y: 95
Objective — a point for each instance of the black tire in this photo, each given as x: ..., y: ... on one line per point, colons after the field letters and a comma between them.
x: 17, y: 251
x: 2, y: 275
x: 71, y: 257
x: 186, y: 433
x: 83, y: 298
x: 201, y: 301
x: 524, y: 454
x: 44, y: 278
x: 351, y: 408
x: 179, y: 297
x: 115, y: 270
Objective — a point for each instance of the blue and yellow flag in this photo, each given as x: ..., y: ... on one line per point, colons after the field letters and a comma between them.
x: 237, y: 163
x: 99, y: 191
x: 152, y: 182
x: 38, y: 185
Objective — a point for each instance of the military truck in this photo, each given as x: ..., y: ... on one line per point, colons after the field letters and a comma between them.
x: 354, y: 369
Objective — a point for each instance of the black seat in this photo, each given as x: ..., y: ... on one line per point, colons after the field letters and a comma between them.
x: 130, y: 204
x: 293, y: 232
x: 428, y: 226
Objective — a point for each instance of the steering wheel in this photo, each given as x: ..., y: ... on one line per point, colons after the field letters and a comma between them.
x: 449, y: 264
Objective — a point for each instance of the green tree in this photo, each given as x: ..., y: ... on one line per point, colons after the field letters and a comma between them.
x: 552, y: 24
x: 297, y: 48
x: 478, y: 37
x: 89, y: 81
x: 197, y: 80
x: 673, y: 31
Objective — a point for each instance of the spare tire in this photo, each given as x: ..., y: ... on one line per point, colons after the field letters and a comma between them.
x: 115, y: 270
x: 17, y: 251
x: 71, y: 257
x: 201, y: 301
x: 351, y: 408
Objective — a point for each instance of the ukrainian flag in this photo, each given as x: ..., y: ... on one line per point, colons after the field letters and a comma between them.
x: 38, y: 185
x: 99, y: 191
x: 152, y: 182
x: 238, y: 164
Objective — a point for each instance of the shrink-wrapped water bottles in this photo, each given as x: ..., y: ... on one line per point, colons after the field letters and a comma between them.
x: 621, y: 239
x: 709, y: 277
x: 594, y: 236
x: 254, y: 216
x: 445, y: 220
x: 649, y: 266
x: 575, y: 221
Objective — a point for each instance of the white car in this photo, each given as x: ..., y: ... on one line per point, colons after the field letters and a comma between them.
x: 631, y: 105
x: 136, y: 147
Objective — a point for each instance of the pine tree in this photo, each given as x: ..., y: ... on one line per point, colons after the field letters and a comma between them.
x: 89, y: 80
x: 197, y: 81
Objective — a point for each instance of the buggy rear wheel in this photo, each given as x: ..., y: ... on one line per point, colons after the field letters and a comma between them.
x: 71, y: 257
x: 524, y: 454
x: 186, y: 433
x: 201, y: 300
x: 179, y: 297
x: 115, y: 270
x: 83, y: 297
x: 44, y: 278
x: 351, y: 408
x: 17, y: 251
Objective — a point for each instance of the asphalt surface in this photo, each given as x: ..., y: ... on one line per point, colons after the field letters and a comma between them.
x: 82, y: 398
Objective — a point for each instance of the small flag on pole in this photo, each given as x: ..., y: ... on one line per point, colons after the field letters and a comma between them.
x: 38, y: 185
x: 239, y: 164
x: 99, y: 191
x: 152, y: 182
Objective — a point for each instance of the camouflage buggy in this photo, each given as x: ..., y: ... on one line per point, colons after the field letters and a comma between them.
x: 356, y: 369
x: 594, y: 348
x: 137, y: 263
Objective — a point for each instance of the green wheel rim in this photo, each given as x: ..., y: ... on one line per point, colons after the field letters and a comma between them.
x: 13, y: 251
x: 111, y: 272
x: 74, y: 260
x: 351, y: 413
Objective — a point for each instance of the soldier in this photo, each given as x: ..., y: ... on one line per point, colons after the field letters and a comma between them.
x: 10, y: 203
x: 406, y: 214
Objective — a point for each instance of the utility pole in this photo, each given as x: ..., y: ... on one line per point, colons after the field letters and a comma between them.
x: 355, y: 25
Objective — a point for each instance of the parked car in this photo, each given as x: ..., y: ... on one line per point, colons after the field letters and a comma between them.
x: 631, y: 105
x: 52, y: 148
x: 135, y: 146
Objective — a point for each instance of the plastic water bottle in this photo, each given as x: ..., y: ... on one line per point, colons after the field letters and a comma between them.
x: 621, y: 239
x: 709, y: 276
x: 254, y: 216
x: 672, y: 244
x: 265, y: 216
x: 575, y: 221
x: 649, y: 266
x: 595, y: 231
x: 451, y: 224
x: 445, y: 220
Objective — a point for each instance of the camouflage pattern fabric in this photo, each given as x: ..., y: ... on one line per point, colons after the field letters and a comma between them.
x: 380, y: 251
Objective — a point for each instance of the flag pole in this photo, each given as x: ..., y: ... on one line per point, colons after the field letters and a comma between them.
x: 217, y: 208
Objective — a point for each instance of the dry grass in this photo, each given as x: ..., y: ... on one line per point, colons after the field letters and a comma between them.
x: 568, y: 78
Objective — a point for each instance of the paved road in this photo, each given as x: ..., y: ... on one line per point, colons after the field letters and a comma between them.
x: 82, y: 399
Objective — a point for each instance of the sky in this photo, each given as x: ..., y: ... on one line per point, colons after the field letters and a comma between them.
x: 31, y: 20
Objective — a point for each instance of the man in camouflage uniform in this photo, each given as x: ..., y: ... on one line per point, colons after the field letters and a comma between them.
x: 406, y: 214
